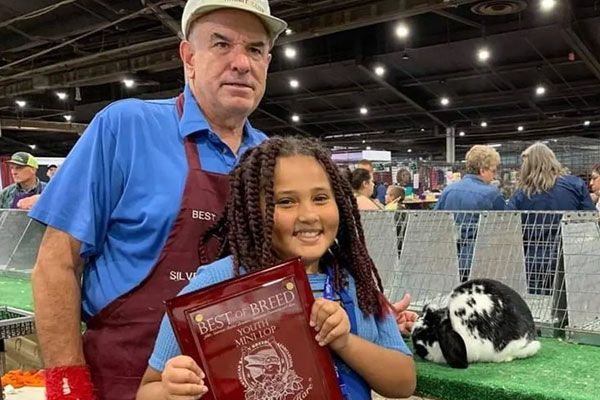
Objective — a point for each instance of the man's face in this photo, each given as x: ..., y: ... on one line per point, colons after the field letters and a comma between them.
x: 226, y: 61
x: 22, y: 173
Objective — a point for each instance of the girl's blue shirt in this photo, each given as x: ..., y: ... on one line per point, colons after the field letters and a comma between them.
x: 383, y: 332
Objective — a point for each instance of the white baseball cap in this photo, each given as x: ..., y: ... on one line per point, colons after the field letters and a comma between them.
x: 195, y: 8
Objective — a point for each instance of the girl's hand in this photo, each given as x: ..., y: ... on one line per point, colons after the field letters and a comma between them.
x: 404, y: 319
x: 332, y: 324
x: 182, y: 379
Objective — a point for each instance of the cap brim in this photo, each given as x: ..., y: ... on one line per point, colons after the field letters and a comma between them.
x: 16, y: 163
x: 274, y: 25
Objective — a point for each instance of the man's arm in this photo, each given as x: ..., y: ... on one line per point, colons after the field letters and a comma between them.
x: 56, y: 283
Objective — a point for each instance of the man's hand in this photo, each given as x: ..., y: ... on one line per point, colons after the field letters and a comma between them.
x: 183, y: 379
x: 331, y: 321
x: 28, y: 202
x: 404, y: 318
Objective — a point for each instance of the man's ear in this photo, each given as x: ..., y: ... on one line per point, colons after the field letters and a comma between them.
x: 186, y: 53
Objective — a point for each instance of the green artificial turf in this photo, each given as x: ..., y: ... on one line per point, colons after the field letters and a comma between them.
x: 560, y: 371
x: 16, y: 292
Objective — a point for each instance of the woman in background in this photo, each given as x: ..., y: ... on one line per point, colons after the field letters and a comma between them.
x: 544, y: 186
x: 595, y: 185
x: 362, y: 186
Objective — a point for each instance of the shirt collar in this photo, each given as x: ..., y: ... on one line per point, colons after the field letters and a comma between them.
x: 33, y: 189
x: 474, y: 177
x: 194, y: 121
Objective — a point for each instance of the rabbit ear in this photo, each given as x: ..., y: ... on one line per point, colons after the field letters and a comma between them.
x: 452, y: 346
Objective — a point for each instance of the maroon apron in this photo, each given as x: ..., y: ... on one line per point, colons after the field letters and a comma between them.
x: 120, y: 338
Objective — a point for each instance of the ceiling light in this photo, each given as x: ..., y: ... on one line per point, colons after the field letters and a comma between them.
x: 547, y: 5
x: 61, y: 95
x: 520, y: 128
x: 495, y: 145
x: 129, y: 83
x: 289, y: 31
x: 484, y: 124
x: 364, y: 110
x: 422, y: 129
x: 587, y: 123
x: 402, y: 30
x: 555, y: 140
x: 409, y: 150
x: 540, y: 90
x: 290, y: 52
x: 379, y: 70
x: 483, y: 54
x: 444, y: 101
x: 368, y: 147
x: 364, y: 141
x: 294, y: 83
x: 461, y: 133
x: 21, y: 103
x: 295, y: 118
x: 405, y: 55
x: 68, y: 117
x: 32, y: 146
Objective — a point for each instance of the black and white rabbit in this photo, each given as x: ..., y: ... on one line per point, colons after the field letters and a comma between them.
x: 485, y: 321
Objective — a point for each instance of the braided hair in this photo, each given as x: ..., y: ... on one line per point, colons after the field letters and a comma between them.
x: 246, y: 228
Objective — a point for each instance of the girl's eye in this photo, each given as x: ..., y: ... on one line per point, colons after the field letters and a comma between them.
x: 321, y: 198
x: 284, y: 202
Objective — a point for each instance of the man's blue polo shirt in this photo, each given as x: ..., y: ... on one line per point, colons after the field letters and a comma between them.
x: 120, y: 188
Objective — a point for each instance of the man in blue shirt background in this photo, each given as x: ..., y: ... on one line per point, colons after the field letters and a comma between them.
x: 127, y: 208
x: 473, y: 192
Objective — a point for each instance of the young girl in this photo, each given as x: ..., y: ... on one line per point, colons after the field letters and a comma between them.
x: 287, y: 200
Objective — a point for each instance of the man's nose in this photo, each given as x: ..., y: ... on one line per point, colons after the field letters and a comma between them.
x: 241, y: 60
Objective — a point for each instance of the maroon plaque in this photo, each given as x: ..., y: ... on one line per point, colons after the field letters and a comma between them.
x: 251, y: 337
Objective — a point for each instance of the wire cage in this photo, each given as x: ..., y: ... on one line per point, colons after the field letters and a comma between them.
x: 552, y: 259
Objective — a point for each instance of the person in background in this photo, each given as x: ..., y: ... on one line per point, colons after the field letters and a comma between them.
x: 380, y: 192
x: 144, y: 182
x: 299, y: 207
x: 544, y: 186
x: 394, y: 197
x: 595, y: 185
x: 366, y: 164
x: 471, y: 194
x: 26, y: 190
x: 362, y: 185
x: 51, y: 171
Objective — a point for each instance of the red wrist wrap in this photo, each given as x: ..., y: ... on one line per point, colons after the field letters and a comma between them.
x: 69, y: 383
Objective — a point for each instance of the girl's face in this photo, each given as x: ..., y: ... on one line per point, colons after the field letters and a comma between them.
x: 306, y: 217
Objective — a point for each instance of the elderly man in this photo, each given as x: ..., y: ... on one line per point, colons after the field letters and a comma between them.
x: 473, y: 193
x: 142, y: 185
x: 27, y: 187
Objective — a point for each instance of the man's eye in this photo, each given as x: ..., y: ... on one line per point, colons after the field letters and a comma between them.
x: 222, y: 45
x: 256, y: 50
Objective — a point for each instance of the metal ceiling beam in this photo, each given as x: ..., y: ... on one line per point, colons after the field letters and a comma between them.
x: 42, y: 126
x: 73, y: 40
x: 163, y: 17
x: 403, y: 96
x: 582, y: 50
x: 458, y: 18
x: 364, y: 15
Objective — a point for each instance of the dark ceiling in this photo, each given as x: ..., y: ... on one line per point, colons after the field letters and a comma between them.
x: 85, y: 48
